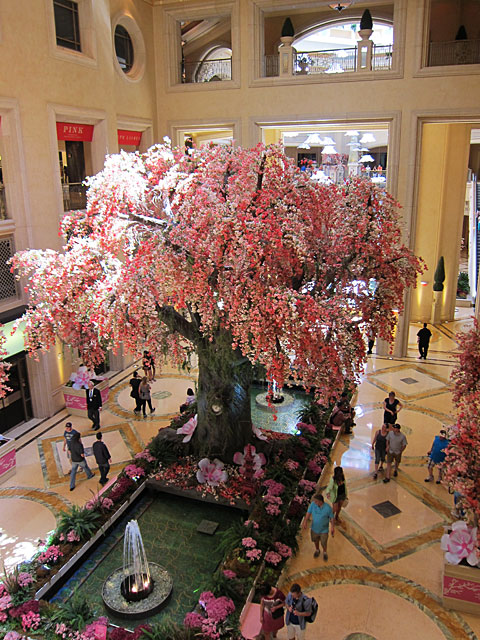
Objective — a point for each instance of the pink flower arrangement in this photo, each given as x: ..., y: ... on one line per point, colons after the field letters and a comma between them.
x: 145, y: 455
x: 211, y: 473
x: 307, y: 485
x: 307, y: 428
x: 215, y: 612
x: 249, y: 543
x: 274, y: 488
x: 30, y: 620
x: 325, y: 443
x: 291, y: 465
x: 254, y: 524
x: 72, y: 536
x: 229, y: 574
x: 188, y: 429
x: 461, y: 544
x: 272, y: 557
x: 24, y: 579
x: 134, y: 472
x: 283, y: 549
x: 254, y: 554
x: 273, y: 510
x: 50, y: 555
x: 5, y: 602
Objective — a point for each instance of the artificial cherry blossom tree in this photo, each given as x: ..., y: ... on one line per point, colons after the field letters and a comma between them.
x: 234, y: 254
x: 462, y: 460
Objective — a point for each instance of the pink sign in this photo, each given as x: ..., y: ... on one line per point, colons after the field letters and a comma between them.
x: 466, y: 590
x: 8, y: 461
x: 80, y: 402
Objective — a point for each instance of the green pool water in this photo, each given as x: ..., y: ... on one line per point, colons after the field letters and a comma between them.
x: 168, y: 525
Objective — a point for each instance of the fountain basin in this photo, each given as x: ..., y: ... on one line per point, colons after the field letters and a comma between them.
x: 149, y: 606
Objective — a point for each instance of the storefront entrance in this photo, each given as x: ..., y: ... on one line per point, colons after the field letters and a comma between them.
x: 16, y: 406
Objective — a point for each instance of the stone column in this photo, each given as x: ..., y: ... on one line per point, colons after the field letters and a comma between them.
x: 285, y: 57
x: 364, y: 50
x: 440, y: 211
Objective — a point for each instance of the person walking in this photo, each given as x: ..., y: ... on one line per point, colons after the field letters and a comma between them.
x: 271, y: 611
x: 391, y: 407
x: 78, y: 459
x: 147, y: 365
x: 67, y: 437
x: 371, y: 340
x: 321, y: 515
x: 379, y: 445
x: 423, y: 339
x: 396, y: 443
x: 94, y: 405
x: 299, y: 607
x: 135, y: 383
x: 337, y: 492
x: 102, y: 457
x: 145, y: 396
x: 437, y: 455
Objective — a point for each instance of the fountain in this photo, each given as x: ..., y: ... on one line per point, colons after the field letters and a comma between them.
x: 139, y: 588
x: 275, y: 399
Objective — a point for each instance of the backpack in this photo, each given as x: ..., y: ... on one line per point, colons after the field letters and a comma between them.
x: 313, y: 615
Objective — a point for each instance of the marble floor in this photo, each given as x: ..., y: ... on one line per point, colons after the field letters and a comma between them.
x: 383, y: 576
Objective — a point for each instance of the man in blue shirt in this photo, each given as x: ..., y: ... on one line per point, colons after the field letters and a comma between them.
x: 321, y: 515
x: 437, y: 455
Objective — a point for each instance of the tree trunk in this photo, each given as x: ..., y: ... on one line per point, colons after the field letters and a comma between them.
x: 223, y: 399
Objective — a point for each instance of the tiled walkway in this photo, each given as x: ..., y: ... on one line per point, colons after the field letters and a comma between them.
x: 383, y: 576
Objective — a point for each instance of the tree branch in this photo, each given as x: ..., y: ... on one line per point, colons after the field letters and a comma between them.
x: 177, y: 322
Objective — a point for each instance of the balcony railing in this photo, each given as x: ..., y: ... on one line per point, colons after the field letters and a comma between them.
x: 454, y: 53
x: 3, y: 203
x: 331, y: 61
x: 74, y: 196
x: 207, y: 70
x: 271, y: 66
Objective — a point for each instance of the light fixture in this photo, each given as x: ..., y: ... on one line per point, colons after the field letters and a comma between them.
x: 329, y: 149
x: 290, y: 134
x: 352, y: 133
x: 304, y: 145
x: 340, y: 6
x: 367, y: 137
x: 313, y: 138
x: 367, y: 158
x: 327, y: 140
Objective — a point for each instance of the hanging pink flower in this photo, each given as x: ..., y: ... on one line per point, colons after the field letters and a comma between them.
x: 82, y: 377
x: 188, y: 428
x: 460, y: 544
x: 258, y: 460
x: 211, y: 473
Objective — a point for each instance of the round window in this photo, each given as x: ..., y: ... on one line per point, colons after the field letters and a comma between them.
x: 124, y: 48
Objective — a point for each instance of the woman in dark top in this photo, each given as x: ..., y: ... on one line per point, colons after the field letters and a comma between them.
x: 391, y: 407
x: 379, y: 445
x: 337, y: 491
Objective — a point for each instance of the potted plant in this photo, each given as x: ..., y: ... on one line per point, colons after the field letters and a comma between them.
x: 303, y: 62
x: 463, y: 285
x: 74, y: 390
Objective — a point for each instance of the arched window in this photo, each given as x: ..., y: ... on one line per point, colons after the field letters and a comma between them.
x: 215, y: 66
x: 331, y: 48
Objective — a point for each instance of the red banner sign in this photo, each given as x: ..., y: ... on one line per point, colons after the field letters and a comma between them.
x: 71, y: 131
x: 131, y: 138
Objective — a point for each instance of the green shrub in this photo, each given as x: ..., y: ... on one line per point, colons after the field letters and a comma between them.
x: 79, y: 519
x: 75, y: 612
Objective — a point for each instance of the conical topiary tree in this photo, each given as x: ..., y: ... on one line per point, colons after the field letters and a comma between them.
x: 287, y: 30
x: 366, y: 21
x: 461, y: 33
x: 439, y: 276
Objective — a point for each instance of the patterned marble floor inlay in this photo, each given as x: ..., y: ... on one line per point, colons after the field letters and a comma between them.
x: 386, y: 509
x: 450, y: 624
